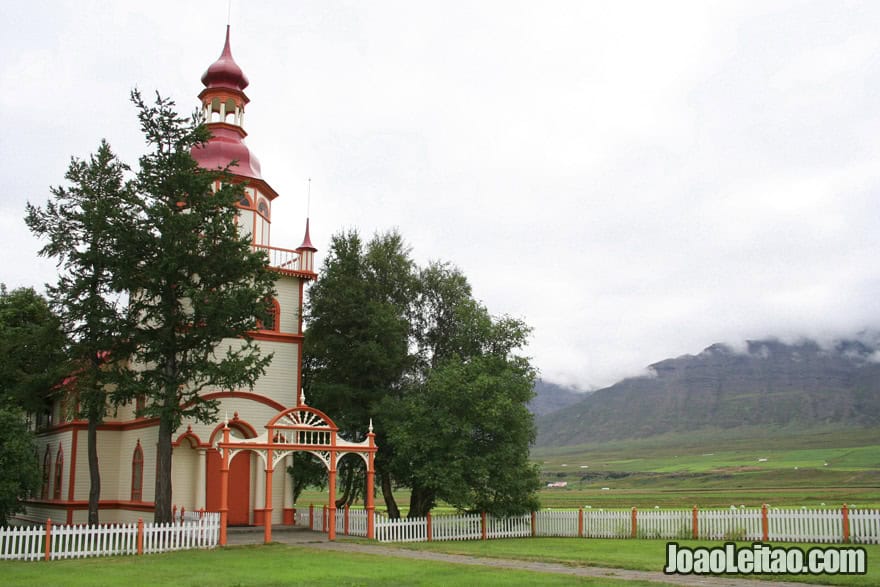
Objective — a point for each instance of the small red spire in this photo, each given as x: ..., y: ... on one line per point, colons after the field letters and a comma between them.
x: 225, y: 72
x: 307, y: 242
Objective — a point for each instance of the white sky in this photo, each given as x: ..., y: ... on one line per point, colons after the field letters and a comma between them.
x: 636, y: 180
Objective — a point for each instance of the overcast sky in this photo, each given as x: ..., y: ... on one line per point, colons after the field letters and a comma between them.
x: 635, y: 180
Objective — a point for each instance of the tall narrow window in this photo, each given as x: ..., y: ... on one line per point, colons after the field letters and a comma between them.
x: 137, y: 473
x: 59, y: 473
x: 47, y: 462
x: 140, y: 403
x: 273, y: 311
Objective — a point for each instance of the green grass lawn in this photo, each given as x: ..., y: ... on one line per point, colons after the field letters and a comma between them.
x: 272, y: 565
x: 644, y: 555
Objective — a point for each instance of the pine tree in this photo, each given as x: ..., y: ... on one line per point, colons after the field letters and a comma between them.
x: 86, y: 225
x: 197, y: 286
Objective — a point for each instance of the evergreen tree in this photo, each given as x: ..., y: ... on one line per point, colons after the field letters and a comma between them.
x: 86, y: 225
x: 197, y: 286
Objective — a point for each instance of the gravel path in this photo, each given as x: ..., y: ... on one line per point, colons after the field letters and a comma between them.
x: 317, y: 540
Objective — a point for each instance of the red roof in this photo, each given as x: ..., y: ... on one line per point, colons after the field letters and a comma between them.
x: 225, y: 72
x: 227, y: 145
x: 307, y: 242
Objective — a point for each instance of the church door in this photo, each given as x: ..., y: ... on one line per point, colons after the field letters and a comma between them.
x: 239, y: 487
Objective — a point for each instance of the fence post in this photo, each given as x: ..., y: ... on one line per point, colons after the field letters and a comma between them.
x: 48, y: 537
x: 345, y: 520
x: 140, y: 538
x: 845, y: 511
x: 696, y: 518
x: 633, y: 532
x: 765, y: 523
x: 580, y: 522
x: 182, y: 513
x: 324, y: 518
x: 534, y: 524
x: 311, y: 516
x: 429, y: 529
x: 483, y: 525
x: 174, y: 513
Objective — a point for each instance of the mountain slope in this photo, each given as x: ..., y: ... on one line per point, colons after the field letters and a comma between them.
x: 769, y: 384
x: 550, y: 397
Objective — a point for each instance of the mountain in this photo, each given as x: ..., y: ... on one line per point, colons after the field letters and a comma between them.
x: 768, y: 383
x: 550, y: 397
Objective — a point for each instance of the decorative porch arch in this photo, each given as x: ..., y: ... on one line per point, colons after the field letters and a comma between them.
x: 298, y: 429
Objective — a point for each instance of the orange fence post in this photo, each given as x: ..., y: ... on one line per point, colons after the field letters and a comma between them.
x: 695, y: 517
x: 483, y: 525
x: 765, y: 523
x: 429, y: 529
x: 580, y: 522
x: 48, y: 537
x: 845, y: 511
x: 534, y: 524
x: 634, y: 523
x: 311, y: 516
x: 140, y: 538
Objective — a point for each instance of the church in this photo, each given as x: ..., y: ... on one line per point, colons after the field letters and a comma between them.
x: 127, y: 443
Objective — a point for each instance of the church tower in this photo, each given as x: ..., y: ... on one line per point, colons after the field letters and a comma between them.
x: 223, y: 102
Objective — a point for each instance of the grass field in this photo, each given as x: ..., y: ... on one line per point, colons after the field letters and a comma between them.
x: 271, y: 565
x: 643, y: 555
x: 719, y: 468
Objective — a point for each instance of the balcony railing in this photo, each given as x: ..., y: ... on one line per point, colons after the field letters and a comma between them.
x: 281, y: 258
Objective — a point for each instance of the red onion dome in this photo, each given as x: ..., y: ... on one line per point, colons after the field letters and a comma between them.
x: 225, y: 72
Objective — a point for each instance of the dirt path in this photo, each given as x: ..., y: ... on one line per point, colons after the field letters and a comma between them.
x: 319, y: 541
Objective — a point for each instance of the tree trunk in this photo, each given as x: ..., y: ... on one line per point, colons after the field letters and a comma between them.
x: 162, y: 512
x: 390, y: 504
x: 421, y: 501
x: 94, y: 471
x: 347, y: 482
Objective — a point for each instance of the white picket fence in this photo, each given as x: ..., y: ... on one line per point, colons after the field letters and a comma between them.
x: 748, y: 524
x: 82, y: 541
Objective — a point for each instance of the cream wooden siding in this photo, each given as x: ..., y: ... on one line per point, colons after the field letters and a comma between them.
x: 184, y: 475
x: 288, y: 302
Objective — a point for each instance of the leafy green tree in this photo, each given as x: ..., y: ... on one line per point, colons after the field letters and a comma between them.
x: 451, y: 414
x: 19, y: 470
x: 31, y: 365
x: 31, y: 350
x: 86, y: 225
x: 462, y: 432
x: 197, y: 286
x: 357, y: 347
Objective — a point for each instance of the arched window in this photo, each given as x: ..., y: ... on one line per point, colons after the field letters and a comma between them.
x: 245, y: 202
x: 59, y: 472
x: 47, y: 462
x: 263, y: 208
x: 137, y: 473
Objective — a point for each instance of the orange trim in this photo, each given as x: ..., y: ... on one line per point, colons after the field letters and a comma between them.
x: 294, y: 273
x: 246, y: 395
x: 236, y: 422
x: 73, y: 448
x: 270, y: 336
x: 189, y: 434
x: 110, y: 504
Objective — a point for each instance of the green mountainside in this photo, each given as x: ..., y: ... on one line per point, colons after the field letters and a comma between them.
x: 768, y: 384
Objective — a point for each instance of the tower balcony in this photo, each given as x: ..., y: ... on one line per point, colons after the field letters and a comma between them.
x: 289, y: 262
